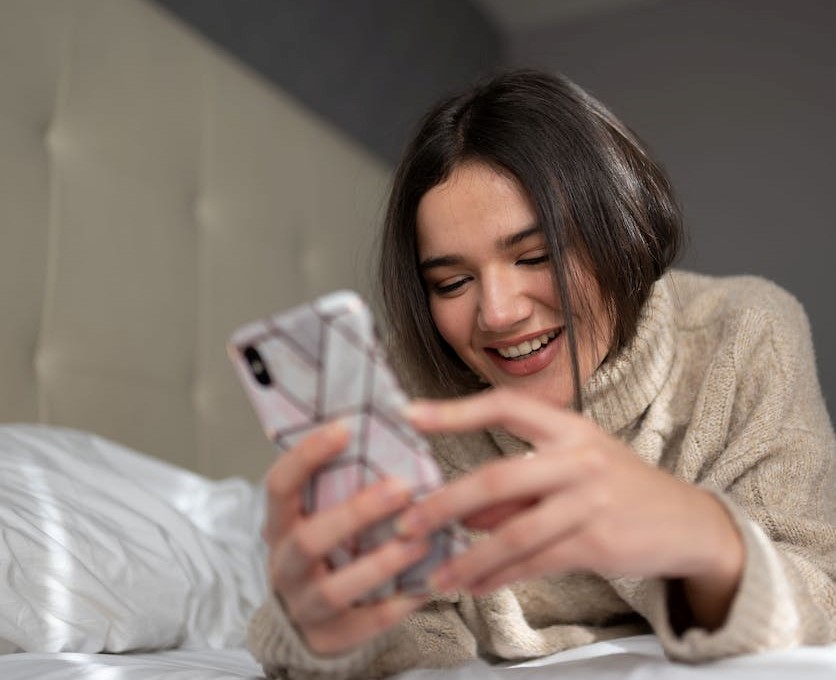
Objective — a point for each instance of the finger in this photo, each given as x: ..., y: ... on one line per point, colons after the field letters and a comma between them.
x: 489, y: 518
x: 285, y: 585
x: 556, y: 558
x: 358, y: 625
x: 492, y: 485
x: 312, y: 538
x: 341, y: 589
x: 527, y: 418
x: 516, y: 541
x: 287, y: 477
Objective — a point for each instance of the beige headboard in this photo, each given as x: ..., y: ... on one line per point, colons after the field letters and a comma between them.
x: 154, y: 195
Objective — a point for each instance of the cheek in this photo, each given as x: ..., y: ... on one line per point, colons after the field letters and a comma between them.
x: 450, y: 321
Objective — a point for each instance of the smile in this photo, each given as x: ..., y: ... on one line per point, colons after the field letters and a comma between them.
x: 527, y: 347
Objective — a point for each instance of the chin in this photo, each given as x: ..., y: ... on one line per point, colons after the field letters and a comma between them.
x: 540, y: 388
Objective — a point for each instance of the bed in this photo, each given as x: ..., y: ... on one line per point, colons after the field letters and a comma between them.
x: 154, y: 195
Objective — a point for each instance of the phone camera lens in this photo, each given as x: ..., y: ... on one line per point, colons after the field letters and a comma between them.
x: 257, y: 366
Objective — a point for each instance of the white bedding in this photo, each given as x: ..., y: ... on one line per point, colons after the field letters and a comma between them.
x: 105, y: 550
x: 637, y: 658
x: 175, y: 664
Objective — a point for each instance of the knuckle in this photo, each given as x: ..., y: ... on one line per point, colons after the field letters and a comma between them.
x: 383, y: 617
x: 311, y: 449
x: 597, y: 546
x: 277, y: 484
x: 299, y: 463
x: 361, y: 510
x: 304, y: 543
x: 494, y: 480
x: 514, y: 540
x: 599, y: 499
x: 539, y: 527
x: 349, y: 521
x: 394, y: 494
x: 383, y: 564
x: 593, y: 462
x: 399, y: 558
x: 331, y: 597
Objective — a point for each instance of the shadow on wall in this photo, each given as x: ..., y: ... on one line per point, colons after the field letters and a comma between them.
x: 737, y: 100
x: 370, y: 67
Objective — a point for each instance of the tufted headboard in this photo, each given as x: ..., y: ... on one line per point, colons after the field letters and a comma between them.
x: 154, y: 195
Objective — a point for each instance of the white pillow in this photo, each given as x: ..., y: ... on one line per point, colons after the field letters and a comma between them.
x: 106, y: 550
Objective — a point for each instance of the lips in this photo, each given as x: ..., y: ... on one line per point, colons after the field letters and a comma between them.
x: 527, y: 355
x: 526, y: 347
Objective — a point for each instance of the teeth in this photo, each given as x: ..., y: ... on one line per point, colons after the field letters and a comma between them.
x: 526, y: 347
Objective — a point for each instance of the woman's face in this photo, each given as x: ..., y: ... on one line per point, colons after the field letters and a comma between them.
x: 491, y: 289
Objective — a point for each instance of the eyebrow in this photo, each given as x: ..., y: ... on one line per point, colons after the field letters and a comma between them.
x: 508, y: 242
x: 505, y: 243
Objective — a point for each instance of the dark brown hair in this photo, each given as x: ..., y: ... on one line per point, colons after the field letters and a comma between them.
x: 594, y: 189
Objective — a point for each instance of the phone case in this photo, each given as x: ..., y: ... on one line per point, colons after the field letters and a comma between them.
x: 321, y: 362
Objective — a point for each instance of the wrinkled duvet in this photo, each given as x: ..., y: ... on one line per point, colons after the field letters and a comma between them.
x: 115, y: 565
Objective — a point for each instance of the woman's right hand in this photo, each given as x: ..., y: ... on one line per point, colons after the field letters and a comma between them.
x: 321, y: 602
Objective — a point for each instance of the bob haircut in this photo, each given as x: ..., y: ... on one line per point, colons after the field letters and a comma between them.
x: 594, y: 189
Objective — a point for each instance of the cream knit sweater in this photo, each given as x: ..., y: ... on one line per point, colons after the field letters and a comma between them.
x: 719, y: 387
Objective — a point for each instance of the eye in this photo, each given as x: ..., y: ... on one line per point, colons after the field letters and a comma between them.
x: 450, y: 286
x: 534, y: 258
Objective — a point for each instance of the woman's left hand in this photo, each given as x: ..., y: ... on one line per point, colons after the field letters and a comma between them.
x: 584, y: 501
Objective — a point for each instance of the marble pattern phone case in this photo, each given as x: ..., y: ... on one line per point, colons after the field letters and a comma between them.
x: 320, y: 362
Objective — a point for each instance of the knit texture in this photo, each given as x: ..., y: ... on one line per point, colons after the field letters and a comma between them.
x: 719, y: 388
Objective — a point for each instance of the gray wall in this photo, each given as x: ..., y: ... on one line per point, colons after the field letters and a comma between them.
x: 738, y: 99
x: 369, y: 66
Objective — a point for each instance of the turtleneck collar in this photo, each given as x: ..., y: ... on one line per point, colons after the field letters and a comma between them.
x: 622, y: 388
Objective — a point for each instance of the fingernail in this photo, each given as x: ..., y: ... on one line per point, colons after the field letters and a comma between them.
x: 395, y: 490
x: 408, y: 524
x: 416, y: 410
x: 336, y: 430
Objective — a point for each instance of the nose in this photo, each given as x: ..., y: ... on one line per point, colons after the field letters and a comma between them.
x: 503, y: 303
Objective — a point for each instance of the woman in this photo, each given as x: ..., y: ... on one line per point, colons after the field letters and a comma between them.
x: 641, y: 449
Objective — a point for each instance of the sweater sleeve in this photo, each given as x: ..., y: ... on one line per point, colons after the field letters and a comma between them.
x: 774, y: 472
x: 434, y: 637
x: 786, y: 598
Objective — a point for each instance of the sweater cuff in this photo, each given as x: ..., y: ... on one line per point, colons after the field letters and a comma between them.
x: 276, y: 644
x: 762, y: 614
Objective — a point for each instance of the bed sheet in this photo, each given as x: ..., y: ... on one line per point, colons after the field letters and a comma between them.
x: 634, y: 658
x: 198, y: 664
x: 106, y: 550
x: 87, y: 522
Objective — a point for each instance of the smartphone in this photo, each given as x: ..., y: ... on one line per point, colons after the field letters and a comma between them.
x: 320, y: 362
